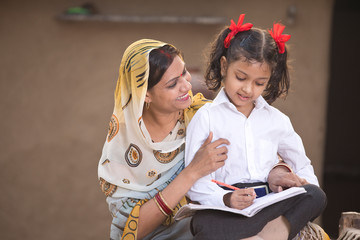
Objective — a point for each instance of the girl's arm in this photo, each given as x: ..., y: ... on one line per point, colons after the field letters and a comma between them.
x: 281, y: 177
x: 207, y: 159
x: 203, y: 190
x: 291, y: 150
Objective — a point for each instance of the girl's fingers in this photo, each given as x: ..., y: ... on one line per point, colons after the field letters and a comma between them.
x: 290, y: 180
x: 243, y: 202
x: 247, y: 192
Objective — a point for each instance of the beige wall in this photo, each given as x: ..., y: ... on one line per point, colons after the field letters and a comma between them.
x: 56, y: 97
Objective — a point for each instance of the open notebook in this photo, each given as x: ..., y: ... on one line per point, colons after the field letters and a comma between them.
x: 258, y: 204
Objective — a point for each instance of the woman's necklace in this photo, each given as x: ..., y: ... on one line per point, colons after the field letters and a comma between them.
x: 159, y: 132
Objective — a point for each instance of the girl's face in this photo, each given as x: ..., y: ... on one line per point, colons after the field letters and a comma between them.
x: 244, y: 82
x: 171, y: 93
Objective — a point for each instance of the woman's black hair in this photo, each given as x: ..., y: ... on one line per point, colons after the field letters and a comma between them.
x: 159, y: 61
x: 255, y: 45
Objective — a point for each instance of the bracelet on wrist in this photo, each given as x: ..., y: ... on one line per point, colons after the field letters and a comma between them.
x: 160, y: 208
x: 283, y: 165
x: 162, y: 205
x: 166, y: 204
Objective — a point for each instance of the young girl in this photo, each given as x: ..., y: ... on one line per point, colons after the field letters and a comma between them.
x: 249, y: 66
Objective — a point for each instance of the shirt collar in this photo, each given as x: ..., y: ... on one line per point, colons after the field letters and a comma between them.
x: 260, y: 102
x: 222, y: 98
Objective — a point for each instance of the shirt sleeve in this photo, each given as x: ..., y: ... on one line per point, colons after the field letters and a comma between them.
x: 292, y: 151
x: 203, y: 191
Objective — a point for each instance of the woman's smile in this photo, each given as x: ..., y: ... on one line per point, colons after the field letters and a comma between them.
x: 184, y: 97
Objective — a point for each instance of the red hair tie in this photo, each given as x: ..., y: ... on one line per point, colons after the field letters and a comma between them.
x: 235, y: 28
x: 279, y: 38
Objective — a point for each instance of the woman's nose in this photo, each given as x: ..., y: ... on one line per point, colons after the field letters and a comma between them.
x: 186, y: 83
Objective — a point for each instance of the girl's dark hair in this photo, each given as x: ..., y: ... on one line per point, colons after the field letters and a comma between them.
x: 159, y: 61
x: 255, y: 45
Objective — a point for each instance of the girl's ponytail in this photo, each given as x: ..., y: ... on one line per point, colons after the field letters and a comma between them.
x: 213, y: 76
x: 279, y: 82
x: 220, y: 48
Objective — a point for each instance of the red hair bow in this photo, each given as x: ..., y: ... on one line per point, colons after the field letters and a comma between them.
x: 235, y: 28
x: 279, y: 38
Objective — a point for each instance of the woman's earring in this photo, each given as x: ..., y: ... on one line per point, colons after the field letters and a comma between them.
x: 147, y: 105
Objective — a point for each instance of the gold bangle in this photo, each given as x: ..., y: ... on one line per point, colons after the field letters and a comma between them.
x: 160, y: 207
x: 167, y: 205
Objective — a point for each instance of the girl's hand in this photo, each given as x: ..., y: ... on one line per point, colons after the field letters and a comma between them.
x: 280, y: 178
x: 209, y: 157
x: 240, y: 199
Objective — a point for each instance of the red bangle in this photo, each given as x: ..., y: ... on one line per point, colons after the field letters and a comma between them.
x: 284, y: 165
x: 160, y: 208
x: 164, y: 204
x: 165, y: 207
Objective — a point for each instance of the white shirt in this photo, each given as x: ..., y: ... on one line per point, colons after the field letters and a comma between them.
x: 254, y: 144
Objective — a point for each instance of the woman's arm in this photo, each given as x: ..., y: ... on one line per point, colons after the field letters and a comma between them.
x: 207, y: 159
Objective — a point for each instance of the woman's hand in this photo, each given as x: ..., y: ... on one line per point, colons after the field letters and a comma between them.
x: 209, y: 157
x: 280, y: 178
x: 240, y: 199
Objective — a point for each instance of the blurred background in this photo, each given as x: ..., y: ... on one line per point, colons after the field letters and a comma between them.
x: 57, y: 78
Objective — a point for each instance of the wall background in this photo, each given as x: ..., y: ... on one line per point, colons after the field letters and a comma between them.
x: 56, y: 97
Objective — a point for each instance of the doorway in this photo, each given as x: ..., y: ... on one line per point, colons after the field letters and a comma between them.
x: 342, y: 148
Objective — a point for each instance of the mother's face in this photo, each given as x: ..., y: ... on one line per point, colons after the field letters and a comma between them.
x: 171, y: 93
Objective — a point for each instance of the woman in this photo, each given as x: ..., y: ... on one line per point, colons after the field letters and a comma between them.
x: 141, y: 169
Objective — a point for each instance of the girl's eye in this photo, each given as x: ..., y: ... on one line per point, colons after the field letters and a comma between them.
x: 240, y: 79
x: 260, y: 84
